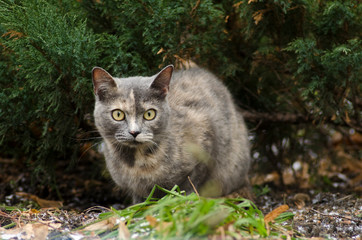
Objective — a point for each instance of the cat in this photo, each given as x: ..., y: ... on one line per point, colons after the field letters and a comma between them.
x: 174, y: 128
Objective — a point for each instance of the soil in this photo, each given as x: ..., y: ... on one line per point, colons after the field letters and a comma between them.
x: 319, y: 215
x: 335, y: 214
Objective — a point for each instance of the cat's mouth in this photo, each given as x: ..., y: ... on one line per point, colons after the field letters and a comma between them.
x: 133, y: 143
x: 137, y: 141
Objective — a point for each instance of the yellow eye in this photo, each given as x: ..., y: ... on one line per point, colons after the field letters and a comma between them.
x: 118, y: 115
x: 149, y: 114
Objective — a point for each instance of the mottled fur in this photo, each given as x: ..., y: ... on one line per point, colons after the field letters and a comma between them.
x: 197, y: 132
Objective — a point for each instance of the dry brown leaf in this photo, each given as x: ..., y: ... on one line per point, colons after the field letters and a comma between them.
x: 221, y: 230
x: 275, y: 213
x: 123, y: 232
x: 12, y: 233
x: 300, y: 200
x: 288, y: 176
x: 34, y: 211
x: 160, y: 51
x: 43, y: 203
x: 164, y: 226
x: 36, y: 231
x: 13, y: 34
x: 151, y: 220
x: 260, y: 179
x: 236, y: 5
x: 159, y: 226
x: 356, y: 139
x: 258, y: 16
x: 106, y: 224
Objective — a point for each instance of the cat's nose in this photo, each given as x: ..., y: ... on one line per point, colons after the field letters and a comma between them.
x: 134, y: 133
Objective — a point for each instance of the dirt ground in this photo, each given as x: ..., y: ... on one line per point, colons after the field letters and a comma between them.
x: 318, y: 214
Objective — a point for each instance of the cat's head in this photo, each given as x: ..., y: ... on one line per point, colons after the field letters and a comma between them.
x: 131, y: 111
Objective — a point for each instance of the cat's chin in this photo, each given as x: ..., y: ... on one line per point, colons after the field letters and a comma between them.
x: 133, y: 144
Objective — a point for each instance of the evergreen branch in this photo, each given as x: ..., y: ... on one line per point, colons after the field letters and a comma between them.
x: 148, y: 9
x: 43, y: 53
x: 294, y: 118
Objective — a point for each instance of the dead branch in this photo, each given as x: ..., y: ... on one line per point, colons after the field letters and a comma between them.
x: 294, y: 118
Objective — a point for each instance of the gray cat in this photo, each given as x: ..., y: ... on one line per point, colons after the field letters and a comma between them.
x: 168, y: 128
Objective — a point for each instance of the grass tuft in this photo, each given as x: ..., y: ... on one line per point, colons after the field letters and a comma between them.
x: 181, y: 216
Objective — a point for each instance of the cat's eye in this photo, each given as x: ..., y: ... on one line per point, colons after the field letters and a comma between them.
x: 118, y: 115
x: 149, y: 114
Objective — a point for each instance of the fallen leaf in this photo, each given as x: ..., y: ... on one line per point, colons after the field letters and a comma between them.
x: 34, y: 211
x: 300, y: 199
x: 275, y: 213
x: 13, y: 233
x: 36, y: 231
x: 236, y: 5
x: 262, y: 179
x: 43, y: 203
x: 258, y: 16
x: 160, y: 51
x: 123, y: 232
x: 159, y: 226
x: 356, y: 139
x: 288, y: 176
x: 151, y: 220
x: 164, y: 227
x: 106, y: 224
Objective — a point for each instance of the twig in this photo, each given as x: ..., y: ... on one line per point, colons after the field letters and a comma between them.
x: 18, y: 220
x: 193, y: 186
x: 96, y: 208
x: 193, y: 11
x: 293, y: 118
x: 6, y: 215
x: 337, y: 216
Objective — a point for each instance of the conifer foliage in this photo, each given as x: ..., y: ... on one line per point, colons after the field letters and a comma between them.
x: 294, y: 67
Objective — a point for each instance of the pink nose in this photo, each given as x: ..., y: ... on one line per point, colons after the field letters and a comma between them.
x: 134, y: 133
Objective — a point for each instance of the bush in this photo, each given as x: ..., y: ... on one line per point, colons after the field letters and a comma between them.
x: 293, y: 66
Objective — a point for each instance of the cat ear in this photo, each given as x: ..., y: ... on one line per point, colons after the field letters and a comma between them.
x: 162, y: 80
x: 103, y: 82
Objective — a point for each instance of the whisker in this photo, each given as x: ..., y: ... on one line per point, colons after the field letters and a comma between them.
x: 88, y: 139
x: 87, y: 149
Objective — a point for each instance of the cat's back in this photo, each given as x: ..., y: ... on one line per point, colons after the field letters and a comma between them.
x: 199, y: 89
x: 204, y: 112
